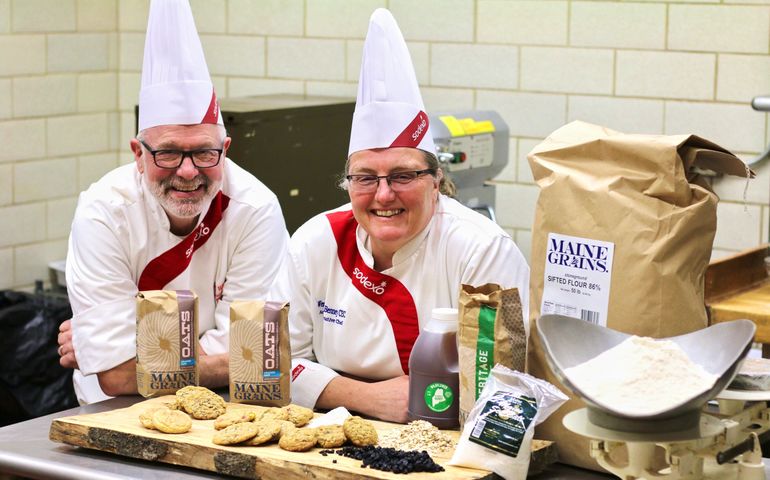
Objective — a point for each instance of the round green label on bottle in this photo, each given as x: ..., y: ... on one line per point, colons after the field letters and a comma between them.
x: 439, y: 396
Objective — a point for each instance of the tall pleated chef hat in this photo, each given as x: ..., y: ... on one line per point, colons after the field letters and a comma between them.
x: 389, y: 110
x: 176, y: 85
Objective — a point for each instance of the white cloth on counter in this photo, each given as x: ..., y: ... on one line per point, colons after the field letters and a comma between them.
x: 335, y: 329
x: 119, y: 227
x: 335, y: 416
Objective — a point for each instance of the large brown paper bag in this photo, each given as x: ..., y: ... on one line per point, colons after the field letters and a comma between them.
x: 622, y: 237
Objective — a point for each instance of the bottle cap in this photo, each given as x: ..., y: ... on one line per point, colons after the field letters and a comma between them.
x: 445, y: 314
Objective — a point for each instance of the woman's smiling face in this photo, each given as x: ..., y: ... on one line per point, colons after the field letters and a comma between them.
x: 392, y: 218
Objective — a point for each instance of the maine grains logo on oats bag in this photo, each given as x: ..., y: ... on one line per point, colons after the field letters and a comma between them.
x: 166, y: 341
x: 260, y: 353
x: 491, y: 331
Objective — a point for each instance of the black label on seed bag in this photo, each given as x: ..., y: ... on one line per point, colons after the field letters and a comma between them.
x: 503, y: 422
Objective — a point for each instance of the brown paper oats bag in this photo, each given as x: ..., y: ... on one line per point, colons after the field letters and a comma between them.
x: 491, y: 331
x: 260, y: 353
x: 622, y: 236
x: 166, y: 341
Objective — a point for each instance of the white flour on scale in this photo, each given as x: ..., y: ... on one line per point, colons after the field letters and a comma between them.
x: 641, y: 376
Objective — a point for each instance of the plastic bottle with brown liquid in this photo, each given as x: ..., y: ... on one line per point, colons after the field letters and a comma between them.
x: 434, y: 381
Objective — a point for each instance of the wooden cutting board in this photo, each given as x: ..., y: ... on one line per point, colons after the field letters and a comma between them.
x: 119, y: 431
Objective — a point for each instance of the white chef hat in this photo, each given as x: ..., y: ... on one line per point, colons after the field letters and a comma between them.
x: 389, y: 110
x: 176, y: 86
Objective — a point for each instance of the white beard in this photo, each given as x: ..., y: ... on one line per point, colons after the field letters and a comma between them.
x: 182, y: 208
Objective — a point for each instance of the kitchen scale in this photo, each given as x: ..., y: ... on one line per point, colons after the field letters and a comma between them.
x: 688, y: 441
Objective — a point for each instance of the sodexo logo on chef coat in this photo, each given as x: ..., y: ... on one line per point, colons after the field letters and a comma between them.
x: 368, y: 284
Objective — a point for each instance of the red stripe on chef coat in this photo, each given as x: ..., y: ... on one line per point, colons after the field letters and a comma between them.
x: 212, y: 113
x: 394, y: 298
x: 169, y: 264
x: 413, y: 133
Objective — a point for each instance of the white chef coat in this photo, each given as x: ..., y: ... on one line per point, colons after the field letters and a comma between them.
x: 119, y: 227
x: 335, y: 328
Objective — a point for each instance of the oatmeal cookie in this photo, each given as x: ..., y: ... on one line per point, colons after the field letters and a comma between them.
x: 145, y: 418
x: 298, y: 439
x: 274, y: 413
x: 359, y: 431
x: 297, y: 415
x: 231, y: 418
x: 236, y: 433
x: 268, y: 430
x: 331, y: 436
x: 201, y: 403
x: 171, y: 421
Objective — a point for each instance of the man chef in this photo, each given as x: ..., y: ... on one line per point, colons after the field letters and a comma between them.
x: 183, y: 216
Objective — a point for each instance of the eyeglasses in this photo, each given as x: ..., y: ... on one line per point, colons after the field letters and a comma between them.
x: 172, y: 159
x: 398, y: 182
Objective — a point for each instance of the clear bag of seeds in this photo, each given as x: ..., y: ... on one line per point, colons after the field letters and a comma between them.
x: 498, y: 432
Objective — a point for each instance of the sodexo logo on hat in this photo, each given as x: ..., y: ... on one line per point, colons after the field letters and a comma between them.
x: 389, y: 110
x: 176, y: 85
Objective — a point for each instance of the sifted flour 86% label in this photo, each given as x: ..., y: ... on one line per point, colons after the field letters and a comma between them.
x: 577, y: 278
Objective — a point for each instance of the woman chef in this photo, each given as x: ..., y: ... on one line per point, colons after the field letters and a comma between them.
x: 362, y: 279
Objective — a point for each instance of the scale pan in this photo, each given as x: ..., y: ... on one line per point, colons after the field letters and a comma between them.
x: 719, y: 349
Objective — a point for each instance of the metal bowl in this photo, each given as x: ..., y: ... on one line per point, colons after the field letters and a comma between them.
x: 719, y: 349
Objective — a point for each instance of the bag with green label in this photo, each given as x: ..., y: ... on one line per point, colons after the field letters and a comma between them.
x: 498, y: 433
x: 491, y: 331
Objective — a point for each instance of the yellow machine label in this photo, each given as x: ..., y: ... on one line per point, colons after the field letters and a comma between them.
x: 466, y: 126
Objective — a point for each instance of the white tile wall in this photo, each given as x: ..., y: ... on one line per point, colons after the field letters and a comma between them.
x: 132, y: 15
x: 44, y: 179
x: 665, y: 74
x: 618, y: 25
x: 60, y: 213
x: 22, y: 54
x: 113, y: 122
x: 434, y: 20
x: 22, y: 139
x: 240, y: 87
x: 314, y: 59
x: 5, y: 16
x: 43, y: 15
x: 23, y: 224
x: 738, y: 226
x: 44, y: 95
x: 525, y: 22
x: 735, y: 127
x: 742, y: 77
x: 515, y: 205
x: 340, y: 18
x: 438, y: 99
x: 628, y: 115
x: 78, y: 134
x: 78, y: 52
x: 527, y: 114
x: 590, y: 70
x: 731, y: 189
x: 719, y: 28
x: 234, y: 55
x: 32, y: 260
x: 266, y: 17
x: 97, y: 15
x: 91, y: 168
x: 523, y: 171
x: 131, y: 51
x: 6, y: 268
x: 332, y: 89
x: 128, y: 90
x: 97, y: 92
x: 485, y: 66
x: 6, y: 184
x: 5, y: 98
x: 210, y: 15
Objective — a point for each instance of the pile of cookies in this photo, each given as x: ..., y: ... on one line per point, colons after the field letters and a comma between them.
x: 247, y: 427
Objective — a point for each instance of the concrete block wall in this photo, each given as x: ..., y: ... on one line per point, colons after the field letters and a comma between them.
x: 70, y: 73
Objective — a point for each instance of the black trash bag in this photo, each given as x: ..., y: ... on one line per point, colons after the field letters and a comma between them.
x: 32, y: 383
